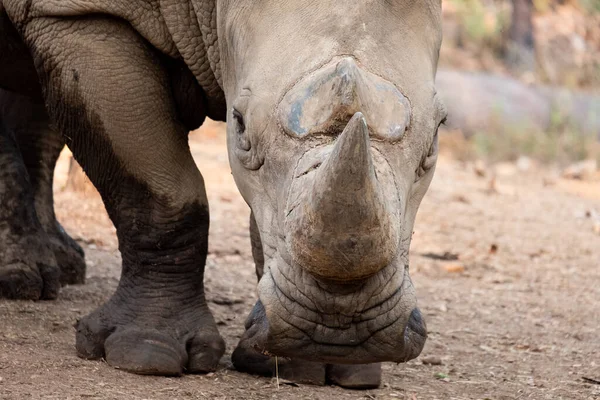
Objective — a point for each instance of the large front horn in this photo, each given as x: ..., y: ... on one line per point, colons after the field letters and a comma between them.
x: 345, y: 228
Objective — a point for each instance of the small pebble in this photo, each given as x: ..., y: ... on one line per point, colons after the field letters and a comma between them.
x: 431, y: 360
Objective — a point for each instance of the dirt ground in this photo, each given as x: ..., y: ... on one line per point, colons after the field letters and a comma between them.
x: 507, y: 271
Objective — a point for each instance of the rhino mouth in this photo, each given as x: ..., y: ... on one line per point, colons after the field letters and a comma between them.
x: 304, y: 317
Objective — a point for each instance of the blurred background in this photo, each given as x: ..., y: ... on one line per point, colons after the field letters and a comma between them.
x: 521, y: 78
x: 521, y: 82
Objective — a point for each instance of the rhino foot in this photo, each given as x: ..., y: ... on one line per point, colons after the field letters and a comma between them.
x: 246, y: 359
x: 28, y: 269
x: 138, y: 336
x: 363, y: 376
x: 35, y: 266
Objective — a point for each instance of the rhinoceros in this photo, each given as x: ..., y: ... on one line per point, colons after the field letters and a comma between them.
x: 332, y: 119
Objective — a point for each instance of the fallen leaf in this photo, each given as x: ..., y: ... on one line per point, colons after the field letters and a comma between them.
x: 537, y: 254
x: 479, y: 168
x: 454, y: 268
x: 461, y: 199
x: 440, y: 375
x: 446, y: 256
x: 596, y: 227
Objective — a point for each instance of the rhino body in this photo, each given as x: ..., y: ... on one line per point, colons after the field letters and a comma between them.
x: 332, y: 136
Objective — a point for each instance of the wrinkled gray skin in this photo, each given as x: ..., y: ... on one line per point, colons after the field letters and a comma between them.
x: 332, y: 141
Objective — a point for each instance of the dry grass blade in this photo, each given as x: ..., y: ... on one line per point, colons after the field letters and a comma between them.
x: 277, y: 371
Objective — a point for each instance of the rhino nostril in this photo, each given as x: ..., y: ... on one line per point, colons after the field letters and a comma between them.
x: 416, y: 323
x: 415, y: 335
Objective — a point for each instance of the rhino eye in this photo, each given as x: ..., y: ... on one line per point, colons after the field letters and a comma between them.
x: 240, y: 130
x: 238, y: 119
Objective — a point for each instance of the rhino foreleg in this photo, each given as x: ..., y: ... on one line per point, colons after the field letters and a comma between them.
x: 110, y: 95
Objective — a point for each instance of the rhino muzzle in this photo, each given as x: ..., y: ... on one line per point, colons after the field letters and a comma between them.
x: 299, y: 316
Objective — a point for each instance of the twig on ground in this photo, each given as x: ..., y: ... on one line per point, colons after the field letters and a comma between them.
x: 591, y: 380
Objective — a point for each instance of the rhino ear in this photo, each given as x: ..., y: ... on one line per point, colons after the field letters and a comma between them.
x: 245, y: 150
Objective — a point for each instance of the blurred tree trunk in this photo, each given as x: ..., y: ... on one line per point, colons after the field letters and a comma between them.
x: 520, y: 55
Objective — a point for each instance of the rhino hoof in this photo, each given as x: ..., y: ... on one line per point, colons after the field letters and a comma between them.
x: 145, y: 353
x: 28, y: 270
x: 145, y: 344
x: 249, y: 360
x: 362, y: 376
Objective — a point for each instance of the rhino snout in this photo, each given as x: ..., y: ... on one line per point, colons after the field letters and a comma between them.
x: 373, y: 322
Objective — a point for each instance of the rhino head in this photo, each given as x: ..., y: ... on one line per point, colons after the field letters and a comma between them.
x: 332, y: 140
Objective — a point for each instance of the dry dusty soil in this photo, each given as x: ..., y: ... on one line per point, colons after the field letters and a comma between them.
x: 508, y: 278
